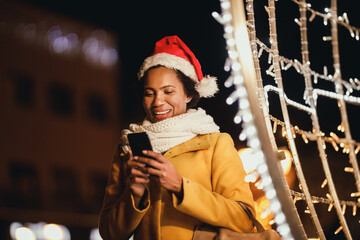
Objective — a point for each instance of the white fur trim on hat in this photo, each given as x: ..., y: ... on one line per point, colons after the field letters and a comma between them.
x: 169, y: 61
x: 207, y: 87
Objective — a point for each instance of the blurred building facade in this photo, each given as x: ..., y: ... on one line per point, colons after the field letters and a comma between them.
x: 59, y: 117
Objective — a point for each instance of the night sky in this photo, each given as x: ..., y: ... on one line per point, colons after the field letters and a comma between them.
x: 139, y: 24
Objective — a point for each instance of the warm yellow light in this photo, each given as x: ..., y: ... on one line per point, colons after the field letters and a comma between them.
x: 53, y: 232
x: 286, y: 163
x: 250, y: 162
x: 24, y: 233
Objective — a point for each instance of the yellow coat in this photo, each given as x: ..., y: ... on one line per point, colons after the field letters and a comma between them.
x: 213, y: 180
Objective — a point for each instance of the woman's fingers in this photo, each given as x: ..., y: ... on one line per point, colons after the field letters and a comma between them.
x: 137, y: 180
x: 138, y: 172
x: 148, y: 161
x: 157, y: 156
x: 136, y: 164
x: 138, y: 176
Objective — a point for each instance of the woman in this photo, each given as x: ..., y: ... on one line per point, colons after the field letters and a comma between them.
x: 193, y: 175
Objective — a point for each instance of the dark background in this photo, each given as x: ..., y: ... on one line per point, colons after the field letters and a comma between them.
x: 139, y: 24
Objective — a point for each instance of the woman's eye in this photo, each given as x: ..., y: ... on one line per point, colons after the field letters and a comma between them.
x: 168, y: 92
x: 148, y: 94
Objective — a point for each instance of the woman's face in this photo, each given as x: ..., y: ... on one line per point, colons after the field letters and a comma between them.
x: 164, y: 94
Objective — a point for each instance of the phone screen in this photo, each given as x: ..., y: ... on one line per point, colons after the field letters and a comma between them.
x: 138, y: 142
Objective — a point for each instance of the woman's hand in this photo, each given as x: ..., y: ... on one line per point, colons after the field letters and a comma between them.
x: 163, y: 170
x: 137, y: 179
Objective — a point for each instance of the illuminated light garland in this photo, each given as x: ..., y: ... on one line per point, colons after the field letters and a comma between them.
x: 328, y: 200
x: 304, y: 70
x: 306, y: 135
x: 324, y: 93
x: 290, y: 102
x: 341, y: 20
x: 338, y: 230
x: 351, y: 85
x: 249, y: 130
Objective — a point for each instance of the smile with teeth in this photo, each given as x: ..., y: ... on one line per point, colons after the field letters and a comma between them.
x: 160, y: 113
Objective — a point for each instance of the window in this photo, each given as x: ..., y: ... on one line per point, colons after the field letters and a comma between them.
x: 98, y: 182
x: 66, y: 189
x: 24, y: 91
x: 25, y: 186
x: 96, y: 109
x: 61, y: 100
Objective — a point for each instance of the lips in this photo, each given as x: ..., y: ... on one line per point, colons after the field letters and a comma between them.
x: 161, y: 115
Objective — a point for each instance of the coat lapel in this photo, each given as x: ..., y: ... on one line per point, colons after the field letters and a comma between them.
x: 200, y: 142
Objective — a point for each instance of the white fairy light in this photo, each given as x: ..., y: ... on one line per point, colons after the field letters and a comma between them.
x: 217, y: 17
x: 249, y: 132
x: 229, y: 82
x: 238, y: 79
x: 290, y: 102
x: 297, y: 22
x: 227, y: 64
x: 248, y: 117
x: 333, y: 95
x: 242, y: 136
x: 244, y: 103
x: 238, y: 116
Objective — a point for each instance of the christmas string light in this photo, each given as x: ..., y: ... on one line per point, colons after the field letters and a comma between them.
x: 351, y: 85
x: 328, y: 94
x: 348, y: 148
x: 249, y: 129
x: 274, y: 60
x: 274, y: 51
x: 309, y: 136
x: 328, y: 200
x: 256, y: 55
x: 290, y: 102
x: 340, y: 20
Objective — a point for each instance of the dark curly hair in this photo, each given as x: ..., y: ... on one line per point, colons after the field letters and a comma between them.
x: 188, y: 84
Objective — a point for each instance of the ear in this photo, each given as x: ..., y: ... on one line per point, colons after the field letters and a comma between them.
x: 188, y: 99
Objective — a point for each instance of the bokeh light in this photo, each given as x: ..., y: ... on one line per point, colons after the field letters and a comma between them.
x: 53, y: 232
x: 24, y: 233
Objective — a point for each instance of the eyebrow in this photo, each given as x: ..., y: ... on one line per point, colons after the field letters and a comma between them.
x: 166, y: 86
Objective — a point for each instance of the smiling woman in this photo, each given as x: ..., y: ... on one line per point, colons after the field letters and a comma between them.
x: 164, y: 94
x: 193, y: 176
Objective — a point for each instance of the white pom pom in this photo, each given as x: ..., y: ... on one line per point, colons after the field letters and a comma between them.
x: 207, y: 87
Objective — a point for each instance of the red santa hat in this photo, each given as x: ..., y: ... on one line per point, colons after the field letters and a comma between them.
x: 171, y: 52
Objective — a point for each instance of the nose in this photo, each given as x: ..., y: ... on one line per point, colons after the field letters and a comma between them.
x: 158, y: 100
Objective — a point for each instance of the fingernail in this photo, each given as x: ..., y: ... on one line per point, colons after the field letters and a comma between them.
x: 144, y: 151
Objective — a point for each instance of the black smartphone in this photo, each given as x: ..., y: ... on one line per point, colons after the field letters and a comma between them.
x: 138, y: 142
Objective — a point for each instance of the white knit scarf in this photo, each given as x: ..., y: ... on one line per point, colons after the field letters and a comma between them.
x: 173, y: 131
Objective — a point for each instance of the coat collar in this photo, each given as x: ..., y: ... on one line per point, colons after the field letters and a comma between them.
x: 199, y: 142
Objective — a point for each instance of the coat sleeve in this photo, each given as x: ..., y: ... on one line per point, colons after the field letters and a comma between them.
x: 119, y: 217
x: 219, y: 206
